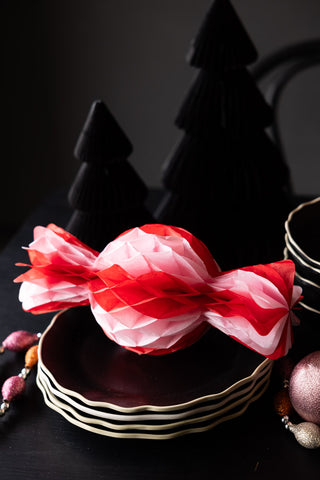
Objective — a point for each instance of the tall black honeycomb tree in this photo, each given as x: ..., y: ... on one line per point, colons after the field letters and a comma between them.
x: 107, y: 194
x: 226, y: 181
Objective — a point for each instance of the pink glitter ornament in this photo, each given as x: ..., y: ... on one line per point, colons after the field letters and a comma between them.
x: 13, y: 387
x: 20, y: 340
x: 304, y: 388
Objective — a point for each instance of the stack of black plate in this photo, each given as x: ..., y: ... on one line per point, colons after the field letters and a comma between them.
x: 106, y: 389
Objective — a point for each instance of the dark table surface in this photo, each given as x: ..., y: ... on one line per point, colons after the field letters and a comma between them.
x: 37, y: 442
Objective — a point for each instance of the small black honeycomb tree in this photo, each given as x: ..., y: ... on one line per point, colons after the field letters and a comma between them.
x: 107, y: 194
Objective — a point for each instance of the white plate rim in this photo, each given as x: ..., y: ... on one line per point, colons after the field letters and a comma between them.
x: 148, y: 435
x: 287, y: 227
x: 159, y: 415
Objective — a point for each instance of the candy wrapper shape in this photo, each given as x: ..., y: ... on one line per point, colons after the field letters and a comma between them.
x: 156, y: 289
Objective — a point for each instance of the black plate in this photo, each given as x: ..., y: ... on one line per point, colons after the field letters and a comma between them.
x: 83, y: 360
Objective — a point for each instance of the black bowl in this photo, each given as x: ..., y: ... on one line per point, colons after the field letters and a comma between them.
x: 303, y: 269
x: 310, y: 289
x: 303, y: 232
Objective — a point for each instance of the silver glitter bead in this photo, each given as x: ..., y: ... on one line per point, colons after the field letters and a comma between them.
x: 307, y: 434
x: 3, y: 408
x: 24, y: 373
x: 285, y: 420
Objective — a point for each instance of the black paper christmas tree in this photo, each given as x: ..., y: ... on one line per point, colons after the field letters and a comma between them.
x: 107, y: 194
x: 227, y: 181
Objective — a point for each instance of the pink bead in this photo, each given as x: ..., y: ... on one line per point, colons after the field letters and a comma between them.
x: 20, y: 340
x: 13, y: 387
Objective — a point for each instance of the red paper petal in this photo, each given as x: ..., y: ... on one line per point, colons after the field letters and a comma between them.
x: 69, y: 238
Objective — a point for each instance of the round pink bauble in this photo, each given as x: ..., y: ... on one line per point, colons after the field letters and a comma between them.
x: 304, y: 388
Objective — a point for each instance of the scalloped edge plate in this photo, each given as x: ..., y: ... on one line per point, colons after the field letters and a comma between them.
x: 182, y: 409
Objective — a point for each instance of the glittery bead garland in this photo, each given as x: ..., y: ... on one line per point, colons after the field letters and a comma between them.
x: 14, y: 386
x: 307, y: 434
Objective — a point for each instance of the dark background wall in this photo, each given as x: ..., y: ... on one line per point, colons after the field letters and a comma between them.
x: 57, y: 57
